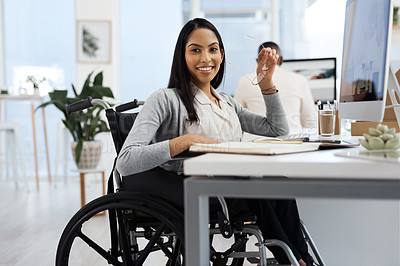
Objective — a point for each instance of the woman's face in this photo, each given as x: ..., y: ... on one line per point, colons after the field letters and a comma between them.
x: 203, y: 57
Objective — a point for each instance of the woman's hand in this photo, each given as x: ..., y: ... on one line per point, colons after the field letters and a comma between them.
x: 182, y: 143
x: 267, y: 60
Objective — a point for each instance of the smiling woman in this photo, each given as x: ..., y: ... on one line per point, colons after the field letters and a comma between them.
x: 203, y: 58
x: 191, y: 111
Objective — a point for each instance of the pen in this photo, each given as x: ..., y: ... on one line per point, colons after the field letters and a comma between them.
x: 329, y: 104
x: 319, y: 105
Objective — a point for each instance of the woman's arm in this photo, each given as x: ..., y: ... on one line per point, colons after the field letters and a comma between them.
x: 273, y: 124
x: 154, y: 138
x: 182, y: 143
x: 138, y: 154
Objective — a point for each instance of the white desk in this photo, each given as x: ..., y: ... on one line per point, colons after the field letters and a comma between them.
x: 32, y: 99
x: 312, y: 174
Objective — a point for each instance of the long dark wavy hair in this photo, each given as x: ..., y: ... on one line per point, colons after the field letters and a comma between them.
x: 180, y: 76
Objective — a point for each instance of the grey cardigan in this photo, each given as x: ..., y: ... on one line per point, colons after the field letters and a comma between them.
x: 162, y: 118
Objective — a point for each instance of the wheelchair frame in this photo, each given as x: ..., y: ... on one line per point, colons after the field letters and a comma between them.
x: 136, y: 215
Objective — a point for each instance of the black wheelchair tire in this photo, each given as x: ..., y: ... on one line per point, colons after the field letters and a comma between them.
x: 158, y: 209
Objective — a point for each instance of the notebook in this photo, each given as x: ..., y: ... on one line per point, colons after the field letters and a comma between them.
x: 268, y: 148
x: 255, y: 148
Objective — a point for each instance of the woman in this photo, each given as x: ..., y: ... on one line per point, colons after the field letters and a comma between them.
x: 191, y: 111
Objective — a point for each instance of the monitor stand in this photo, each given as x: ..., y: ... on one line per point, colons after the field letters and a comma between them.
x: 394, y: 89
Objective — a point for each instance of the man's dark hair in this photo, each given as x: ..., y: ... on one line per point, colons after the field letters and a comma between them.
x: 272, y: 45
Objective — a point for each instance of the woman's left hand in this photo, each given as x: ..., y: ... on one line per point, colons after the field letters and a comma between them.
x: 267, y: 60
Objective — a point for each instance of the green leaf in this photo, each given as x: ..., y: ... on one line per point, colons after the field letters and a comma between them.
x: 74, y: 90
x: 86, y: 124
x: 78, y: 151
x: 98, y: 80
x: 87, y: 81
x: 100, y: 92
x: 70, y: 127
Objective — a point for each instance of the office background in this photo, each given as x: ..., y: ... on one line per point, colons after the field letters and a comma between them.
x: 42, y: 41
x: 39, y: 37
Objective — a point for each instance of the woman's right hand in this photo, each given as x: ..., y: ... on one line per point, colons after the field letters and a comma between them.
x: 182, y: 143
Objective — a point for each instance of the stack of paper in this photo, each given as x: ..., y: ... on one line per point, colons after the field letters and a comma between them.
x: 255, y: 148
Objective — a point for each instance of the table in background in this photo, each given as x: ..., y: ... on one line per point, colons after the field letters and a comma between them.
x: 318, y: 174
x: 32, y: 99
x: 82, y: 174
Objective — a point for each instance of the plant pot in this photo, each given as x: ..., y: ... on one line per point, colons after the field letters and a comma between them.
x: 90, y: 156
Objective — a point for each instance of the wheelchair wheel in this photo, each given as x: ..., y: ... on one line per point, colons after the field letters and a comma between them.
x: 145, y: 229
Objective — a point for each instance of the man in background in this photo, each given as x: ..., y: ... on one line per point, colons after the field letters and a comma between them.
x: 294, y: 91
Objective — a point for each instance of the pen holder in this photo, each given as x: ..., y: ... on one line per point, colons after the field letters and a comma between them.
x: 337, y: 123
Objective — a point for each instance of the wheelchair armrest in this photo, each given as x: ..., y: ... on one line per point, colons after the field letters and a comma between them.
x: 117, y: 179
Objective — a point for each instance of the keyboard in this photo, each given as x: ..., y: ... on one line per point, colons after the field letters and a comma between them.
x: 301, y: 136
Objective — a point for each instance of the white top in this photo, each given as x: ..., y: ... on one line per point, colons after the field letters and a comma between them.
x: 295, y: 95
x: 215, y: 123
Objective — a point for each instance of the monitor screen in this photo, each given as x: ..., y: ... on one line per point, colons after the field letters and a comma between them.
x: 365, y: 62
x: 320, y: 74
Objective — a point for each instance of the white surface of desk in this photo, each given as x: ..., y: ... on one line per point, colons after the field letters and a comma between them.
x: 321, y: 164
x: 314, y: 174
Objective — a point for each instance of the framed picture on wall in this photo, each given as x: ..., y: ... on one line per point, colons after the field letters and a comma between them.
x: 93, y: 41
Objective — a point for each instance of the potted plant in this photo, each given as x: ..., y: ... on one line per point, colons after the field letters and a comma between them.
x: 83, y: 125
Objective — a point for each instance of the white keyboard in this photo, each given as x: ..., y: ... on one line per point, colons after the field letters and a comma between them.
x: 301, y: 136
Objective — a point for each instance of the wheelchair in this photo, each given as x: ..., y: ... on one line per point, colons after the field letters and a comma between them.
x: 146, y: 230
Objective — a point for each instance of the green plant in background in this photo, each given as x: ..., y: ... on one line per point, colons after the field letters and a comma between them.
x: 83, y: 125
x: 395, y: 15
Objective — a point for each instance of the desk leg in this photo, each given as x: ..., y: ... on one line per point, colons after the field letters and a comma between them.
x: 46, y: 144
x: 197, y: 237
x: 103, y: 180
x: 35, y: 145
x: 83, y: 196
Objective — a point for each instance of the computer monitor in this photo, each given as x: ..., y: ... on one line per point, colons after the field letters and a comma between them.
x: 365, y: 62
x: 320, y: 74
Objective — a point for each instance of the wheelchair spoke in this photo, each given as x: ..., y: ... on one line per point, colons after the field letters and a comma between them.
x: 125, y: 245
x: 176, y: 253
x: 146, y: 251
x: 99, y: 249
x: 164, y: 248
x: 145, y: 229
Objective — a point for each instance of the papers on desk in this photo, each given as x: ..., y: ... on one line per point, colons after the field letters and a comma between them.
x: 255, y: 148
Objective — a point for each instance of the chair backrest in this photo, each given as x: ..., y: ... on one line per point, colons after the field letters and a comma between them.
x: 120, y: 124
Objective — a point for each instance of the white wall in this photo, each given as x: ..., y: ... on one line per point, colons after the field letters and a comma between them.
x: 149, y: 30
x: 105, y: 10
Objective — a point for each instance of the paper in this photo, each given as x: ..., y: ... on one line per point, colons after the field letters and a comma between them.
x: 275, y: 140
x: 279, y: 141
x: 255, y: 148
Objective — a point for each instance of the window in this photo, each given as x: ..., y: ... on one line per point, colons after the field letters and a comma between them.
x: 39, y: 40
